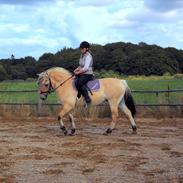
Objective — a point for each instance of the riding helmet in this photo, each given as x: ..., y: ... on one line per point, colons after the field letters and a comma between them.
x: 84, y: 44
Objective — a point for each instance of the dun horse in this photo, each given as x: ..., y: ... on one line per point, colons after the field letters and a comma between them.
x: 115, y: 91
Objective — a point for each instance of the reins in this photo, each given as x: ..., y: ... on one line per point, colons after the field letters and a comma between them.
x: 53, y: 89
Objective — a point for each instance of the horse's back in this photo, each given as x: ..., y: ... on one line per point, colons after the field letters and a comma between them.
x: 111, y: 82
x: 112, y: 86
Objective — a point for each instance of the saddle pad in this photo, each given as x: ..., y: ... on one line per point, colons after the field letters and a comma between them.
x: 93, y: 85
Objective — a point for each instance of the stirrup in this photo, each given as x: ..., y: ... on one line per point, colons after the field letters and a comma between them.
x: 86, y: 105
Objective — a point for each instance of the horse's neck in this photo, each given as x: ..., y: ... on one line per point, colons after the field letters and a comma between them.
x: 59, y: 78
x: 65, y: 90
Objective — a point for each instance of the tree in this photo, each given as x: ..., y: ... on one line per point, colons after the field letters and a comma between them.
x: 120, y: 57
x: 12, y: 57
x: 3, y: 73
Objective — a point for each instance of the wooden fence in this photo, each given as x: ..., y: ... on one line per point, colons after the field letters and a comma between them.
x: 157, y: 92
x: 38, y: 107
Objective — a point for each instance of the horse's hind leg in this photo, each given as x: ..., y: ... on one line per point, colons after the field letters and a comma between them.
x: 114, y: 113
x: 128, y: 114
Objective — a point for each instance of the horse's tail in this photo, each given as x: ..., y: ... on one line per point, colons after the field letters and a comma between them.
x: 129, y: 101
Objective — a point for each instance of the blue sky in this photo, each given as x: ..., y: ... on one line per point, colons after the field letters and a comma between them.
x: 31, y: 28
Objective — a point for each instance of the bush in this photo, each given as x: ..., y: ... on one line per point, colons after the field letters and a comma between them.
x: 107, y: 74
x: 178, y: 76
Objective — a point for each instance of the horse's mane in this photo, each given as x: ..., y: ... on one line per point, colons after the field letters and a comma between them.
x: 48, y: 71
x: 60, y: 69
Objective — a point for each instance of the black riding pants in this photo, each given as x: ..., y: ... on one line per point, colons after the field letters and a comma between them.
x: 81, y: 81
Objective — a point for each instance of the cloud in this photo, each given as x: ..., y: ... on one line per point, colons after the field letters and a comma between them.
x: 23, y: 2
x: 149, y: 16
x: 95, y: 3
x: 149, y: 25
x: 18, y: 28
x: 163, y: 5
x: 37, y: 26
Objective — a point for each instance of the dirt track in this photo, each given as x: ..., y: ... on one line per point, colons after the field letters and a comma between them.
x: 34, y: 151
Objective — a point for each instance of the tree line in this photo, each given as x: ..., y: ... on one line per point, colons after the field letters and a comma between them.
x: 122, y: 58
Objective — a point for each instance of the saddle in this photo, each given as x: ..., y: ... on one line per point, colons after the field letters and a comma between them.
x: 92, y: 86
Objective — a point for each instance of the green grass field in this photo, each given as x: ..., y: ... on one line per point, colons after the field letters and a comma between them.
x: 161, y: 84
x: 135, y: 83
x: 21, y: 97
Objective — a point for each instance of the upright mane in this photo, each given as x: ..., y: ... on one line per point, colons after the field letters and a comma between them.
x: 60, y: 69
x: 48, y: 71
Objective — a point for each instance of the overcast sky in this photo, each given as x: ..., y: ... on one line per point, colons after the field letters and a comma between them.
x: 31, y: 28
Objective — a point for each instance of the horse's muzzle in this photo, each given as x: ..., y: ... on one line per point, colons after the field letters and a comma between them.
x: 43, y: 96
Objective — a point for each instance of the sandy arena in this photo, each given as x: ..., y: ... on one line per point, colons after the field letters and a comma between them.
x: 35, y: 151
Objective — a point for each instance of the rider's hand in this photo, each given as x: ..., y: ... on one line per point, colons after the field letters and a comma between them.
x: 78, y: 71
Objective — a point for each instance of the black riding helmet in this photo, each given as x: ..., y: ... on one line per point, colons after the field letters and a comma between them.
x: 84, y: 44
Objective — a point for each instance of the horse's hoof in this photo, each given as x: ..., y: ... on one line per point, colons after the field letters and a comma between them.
x: 72, y: 132
x: 64, y: 130
x: 134, y: 128
x: 108, y: 131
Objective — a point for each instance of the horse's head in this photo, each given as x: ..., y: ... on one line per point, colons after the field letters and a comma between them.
x: 44, y: 84
x: 48, y: 84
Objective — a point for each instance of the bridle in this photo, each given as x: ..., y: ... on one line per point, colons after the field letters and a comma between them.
x: 51, y: 89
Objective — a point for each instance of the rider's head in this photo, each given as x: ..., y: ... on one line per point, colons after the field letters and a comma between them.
x: 84, y: 45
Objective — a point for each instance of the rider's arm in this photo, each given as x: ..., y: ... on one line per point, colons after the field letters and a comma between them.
x: 80, y: 70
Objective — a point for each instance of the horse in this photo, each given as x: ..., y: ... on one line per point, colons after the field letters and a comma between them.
x: 115, y: 91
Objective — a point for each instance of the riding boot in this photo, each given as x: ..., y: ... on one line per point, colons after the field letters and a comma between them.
x: 79, y: 94
x: 76, y: 85
x: 85, y: 95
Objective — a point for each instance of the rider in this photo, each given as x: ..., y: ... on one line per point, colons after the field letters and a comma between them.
x: 84, y: 72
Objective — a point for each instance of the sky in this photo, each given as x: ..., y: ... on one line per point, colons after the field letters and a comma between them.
x: 32, y: 28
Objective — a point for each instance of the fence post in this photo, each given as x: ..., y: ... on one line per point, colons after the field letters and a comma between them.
x: 168, y: 94
x: 39, y: 107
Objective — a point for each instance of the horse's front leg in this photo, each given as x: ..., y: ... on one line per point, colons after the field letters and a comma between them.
x: 73, y: 126
x: 62, y: 126
x: 64, y: 111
